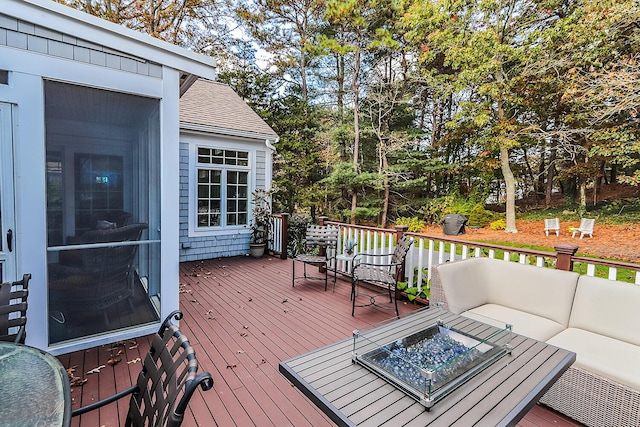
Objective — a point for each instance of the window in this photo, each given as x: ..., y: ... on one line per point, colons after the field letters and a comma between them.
x: 223, y: 187
x: 98, y: 189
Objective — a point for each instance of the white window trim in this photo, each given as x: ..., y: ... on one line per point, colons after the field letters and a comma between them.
x: 194, y: 230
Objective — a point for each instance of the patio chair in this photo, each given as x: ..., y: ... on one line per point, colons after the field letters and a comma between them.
x: 13, y: 310
x: 105, y: 276
x: 586, y: 228
x: 166, y: 383
x: 319, y: 249
x: 552, y: 224
x: 387, y: 274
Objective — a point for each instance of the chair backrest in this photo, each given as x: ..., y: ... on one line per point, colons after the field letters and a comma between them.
x: 552, y: 224
x: 100, y: 258
x: 402, y: 248
x: 586, y: 225
x: 168, y: 379
x: 322, y: 236
x: 110, y: 266
x: 13, y: 309
x: 121, y: 234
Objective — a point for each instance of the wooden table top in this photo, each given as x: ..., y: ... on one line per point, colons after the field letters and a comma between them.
x: 501, y: 394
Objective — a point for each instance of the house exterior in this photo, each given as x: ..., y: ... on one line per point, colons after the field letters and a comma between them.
x: 89, y: 160
x: 225, y: 154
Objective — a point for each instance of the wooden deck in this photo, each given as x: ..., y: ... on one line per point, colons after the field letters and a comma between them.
x: 243, y: 318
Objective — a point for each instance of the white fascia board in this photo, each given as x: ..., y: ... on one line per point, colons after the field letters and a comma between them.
x: 58, y: 17
x: 269, y: 139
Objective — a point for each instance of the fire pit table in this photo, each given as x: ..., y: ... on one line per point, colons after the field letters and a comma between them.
x: 429, y: 368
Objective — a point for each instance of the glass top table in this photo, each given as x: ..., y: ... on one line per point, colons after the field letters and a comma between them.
x: 430, y: 361
x: 34, y: 388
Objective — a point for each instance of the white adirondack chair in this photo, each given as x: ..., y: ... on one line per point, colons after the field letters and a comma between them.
x: 552, y: 224
x: 586, y: 228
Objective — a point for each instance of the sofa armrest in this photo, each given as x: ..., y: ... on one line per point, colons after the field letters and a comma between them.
x: 436, y: 294
x: 462, y: 284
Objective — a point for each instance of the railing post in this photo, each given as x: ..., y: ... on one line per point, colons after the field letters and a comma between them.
x: 322, y: 220
x: 285, y: 235
x: 400, y: 230
x: 565, y: 253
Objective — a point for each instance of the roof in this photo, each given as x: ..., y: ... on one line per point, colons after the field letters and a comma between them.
x: 214, y: 107
x: 49, y: 14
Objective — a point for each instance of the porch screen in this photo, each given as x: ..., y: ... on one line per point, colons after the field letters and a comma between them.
x: 103, y: 210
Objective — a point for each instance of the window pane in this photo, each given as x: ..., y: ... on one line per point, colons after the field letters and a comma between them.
x: 209, y: 198
x: 243, y: 158
x: 203, y: 191
x: 204, y: 155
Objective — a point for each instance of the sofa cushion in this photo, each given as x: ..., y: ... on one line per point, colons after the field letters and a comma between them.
x: 602, y: 355
x: 463, y: 284
x: 542, y: 292
x: 529, y: 325
x: 607, y: 307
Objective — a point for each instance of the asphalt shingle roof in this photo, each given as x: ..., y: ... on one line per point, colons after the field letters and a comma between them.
x: 209, y: 103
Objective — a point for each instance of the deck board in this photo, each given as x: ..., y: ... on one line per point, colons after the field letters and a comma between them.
x: 243, y: 318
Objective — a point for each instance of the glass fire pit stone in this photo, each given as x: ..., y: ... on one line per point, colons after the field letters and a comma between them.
x: 430, y: 363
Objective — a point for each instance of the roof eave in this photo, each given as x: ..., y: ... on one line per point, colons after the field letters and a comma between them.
x: 269, y: 139
x: 49, y: 14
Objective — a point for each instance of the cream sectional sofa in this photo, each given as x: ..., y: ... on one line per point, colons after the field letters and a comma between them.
x: 598, y: 319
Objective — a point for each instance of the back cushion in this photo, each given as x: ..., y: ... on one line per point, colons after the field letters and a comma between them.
x: 540, y: 291
x: 462, y: 284
x: 607, y: 307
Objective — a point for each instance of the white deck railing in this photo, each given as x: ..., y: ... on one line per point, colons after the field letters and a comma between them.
x: 428, y: 251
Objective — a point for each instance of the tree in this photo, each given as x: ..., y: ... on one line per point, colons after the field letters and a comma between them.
x: 287, y: 29
x: 198, y: 24
x: 486, y: 44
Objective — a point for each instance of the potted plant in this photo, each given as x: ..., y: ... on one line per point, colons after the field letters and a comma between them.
x: 260, y: 222
x: 349, y: 245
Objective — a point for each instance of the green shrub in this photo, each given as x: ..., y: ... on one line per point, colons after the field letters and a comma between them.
x: 479, y: 216
x: 415, y: 224
x: 500, y: 224
x: 435, y: 209
x: 297, y: 229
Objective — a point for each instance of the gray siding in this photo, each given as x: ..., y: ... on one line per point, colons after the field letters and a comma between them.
x: 261, y: 166
x: 221, y: 245
x: 23, y: 35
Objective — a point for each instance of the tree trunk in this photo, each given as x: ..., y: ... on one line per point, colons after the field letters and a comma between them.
x: 551, y: 172
x: 340, y: 82
x: 510, y: 187
x: 583, y: 194
x: 356, y: 130
x: 509, y: 180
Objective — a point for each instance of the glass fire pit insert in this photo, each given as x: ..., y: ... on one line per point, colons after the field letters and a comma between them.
x: 430, y: 363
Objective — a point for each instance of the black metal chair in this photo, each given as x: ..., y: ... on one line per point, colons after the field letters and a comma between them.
x: 13, y: 309
x: 319, y: 249
x: 379, y: 272
x: 166, y: 383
